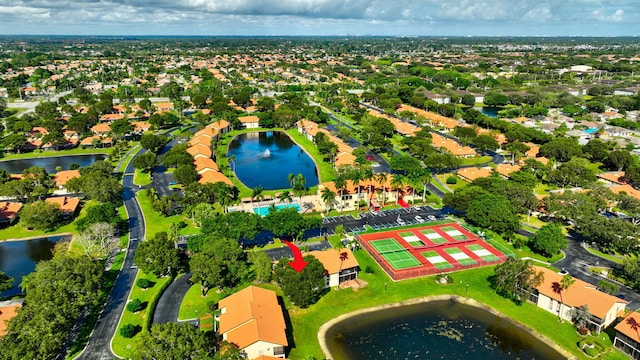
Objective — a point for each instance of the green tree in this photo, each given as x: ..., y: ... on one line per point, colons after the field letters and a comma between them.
x: 105, y: 212
x: 235, y: 225
x: 560, y: 288
x: 549, y: 240
x: 608, y: 287
x: 285, y: 222
x: 303, y: 288
x: 120, y: 128
x: 328, y: 197
x: 153, y: 142
x: 261, y: 265
x: 221, y: 264
x: 174, y: 341
x: 158, y: 255
x: 40, y: 215
x: 462, y: 197
x: 580, y: 316
x: 561, y: 149
x: 493, y: 212
x: 145, y: 162
x: 619, y: 160
x: 6, y: 282
x: 514, y: 276
x: 485, y: 142
x: 185, y: 174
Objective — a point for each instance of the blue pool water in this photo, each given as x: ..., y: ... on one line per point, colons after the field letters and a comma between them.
x: 591, y: 130
x: 264, y: 210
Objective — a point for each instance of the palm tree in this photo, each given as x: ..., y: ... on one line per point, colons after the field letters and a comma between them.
x: 368, y: 176
x: 328, y: 197
x: 257, y: 193
x: 233, y: 161
x: 397, y: 183
x: 425, y: 179
x: 560, y: 288
x: 381, y: 179
x: 285, y: 196
x: 356, y: 177
x: 341, y: 185
x: 227, y: 197
x: 291, y: 177
x: 298, y: 186
x: 300, y: 180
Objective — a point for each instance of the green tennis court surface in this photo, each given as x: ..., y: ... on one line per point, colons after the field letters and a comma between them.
x: 411, y: 239
x: 386, y: 245
x: 483, y: 253
x: 401, y: 259
x: 433, y: 236
x: 436, y: 260
x: 460, y: 256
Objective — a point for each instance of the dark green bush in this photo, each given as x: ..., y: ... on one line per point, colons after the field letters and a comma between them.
x: 143, y: 283
x: 134, y: 305
x: 452, y: 180
x: 129, y: 330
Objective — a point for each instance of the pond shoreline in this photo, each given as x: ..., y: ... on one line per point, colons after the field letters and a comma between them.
x: 322, y: 332
x: 36, y: 237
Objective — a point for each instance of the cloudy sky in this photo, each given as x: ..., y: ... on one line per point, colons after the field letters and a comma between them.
x: 321, y: 17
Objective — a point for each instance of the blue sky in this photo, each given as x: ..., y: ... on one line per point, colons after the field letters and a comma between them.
x: 322, y: 17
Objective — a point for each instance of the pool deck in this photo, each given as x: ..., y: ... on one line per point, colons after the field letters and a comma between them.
x: 309, y: 203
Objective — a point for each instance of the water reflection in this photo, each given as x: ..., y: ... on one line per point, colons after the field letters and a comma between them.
x: 50, y: 163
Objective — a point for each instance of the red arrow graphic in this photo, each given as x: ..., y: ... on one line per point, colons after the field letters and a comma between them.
x: 298, y: 263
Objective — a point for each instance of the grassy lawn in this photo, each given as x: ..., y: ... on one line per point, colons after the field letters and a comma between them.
x: 543, y: 189
x: 156, y: 222
x: 326, y: 170
x: 122, y: 346
x: 142, y: 178
x: 459, y: 184
x: 475, y: 160
x: 49, y: 153
x: 194, y: 305
x: 533, y: 221
x: 614, y: 258
x: 381, y: 290
x: 525, y: 251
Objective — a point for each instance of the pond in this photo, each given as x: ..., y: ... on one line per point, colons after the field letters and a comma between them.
x: 489, y: 110
x: 19, y: 258
x: 440, y: 329
x: 50, y: 163
x: 267, y: 158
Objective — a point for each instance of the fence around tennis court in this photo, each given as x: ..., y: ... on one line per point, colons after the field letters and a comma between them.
x: 404, y: 274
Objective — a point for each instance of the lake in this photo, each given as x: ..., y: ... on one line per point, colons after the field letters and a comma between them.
x: 440, y: 329
x: 50, y: 163
x: 19, y: 258
x: 267, y: 158
x: 489, y: 110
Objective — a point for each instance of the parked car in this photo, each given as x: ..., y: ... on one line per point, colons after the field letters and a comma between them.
x: 400, y: 221
x: 419, y: 219
x: 370, y: 158
x: 431, y: 217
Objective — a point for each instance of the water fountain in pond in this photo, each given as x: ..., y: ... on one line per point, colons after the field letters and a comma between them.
x: 266, y: 154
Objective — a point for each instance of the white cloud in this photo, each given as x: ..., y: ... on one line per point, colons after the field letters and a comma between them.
x: 601, y: 15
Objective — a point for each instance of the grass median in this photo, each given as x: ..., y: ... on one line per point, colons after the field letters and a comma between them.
x: 156, y: 222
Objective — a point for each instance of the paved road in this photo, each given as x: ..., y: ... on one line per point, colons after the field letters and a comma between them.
x: 285, y: 252
x: 31, y: 105
x: 168, y: 306
x: 99, y: 345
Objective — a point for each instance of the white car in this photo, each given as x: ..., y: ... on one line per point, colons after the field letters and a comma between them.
x: 419, y: 219
x: 400, y: 221
x: 431, y: 217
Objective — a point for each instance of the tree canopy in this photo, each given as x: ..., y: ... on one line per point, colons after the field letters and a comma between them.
x: 514, y: 276
x: 304, y: 288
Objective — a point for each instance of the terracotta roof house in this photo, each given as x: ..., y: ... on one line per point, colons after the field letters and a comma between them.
x: 7, y: 313
x: 472, y: 173
x: 613, y: 177
x: 101, y: 129
x: 200, y: 150
x: 111, y: 117
x: 163, y: 106
x: 212, y: 177
x: 603, y: 308
x: 9, y: 212
x: 451, y: 146
x: 340, y: 266
x: 506, y: 169
x: 627, y: 337
x: 61, y: 177
x: 222, y: 125
x: 203, y: 164
x: 626, y: 188
x: 253, y: 320
x: 140, y: 127
x: 68, y: 205
x: 349, y: 198
x: 250, y: 122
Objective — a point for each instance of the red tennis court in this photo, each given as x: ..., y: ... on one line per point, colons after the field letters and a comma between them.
x: 429, y: 250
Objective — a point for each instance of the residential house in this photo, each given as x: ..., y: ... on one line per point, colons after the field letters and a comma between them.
x: 140, y: 127
x: 602, y: 307
x: 200, y: 150
x: 101, y: 129
x: 471, y: 173
x: 630, y: 91
x: 163, y: 106
x: 203, y: 164
x: 617, y: 131
x: 627, y: 337
x: 250, y: 122
x: 252, y: 319
x: 61, y: 177
x: 373, y: 193
x: 212, y: 177
x: 613, y: 177
x: 9, y: 212
x: 69, y: 206
x: 627, y: 189
x: 440, y: 99
x: 340, y: 265
x: 451, y: 146
x: 505, y: 169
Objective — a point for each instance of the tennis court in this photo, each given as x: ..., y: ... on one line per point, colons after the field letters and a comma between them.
x: 412, y: 239
x: 428, y: 250
x: 460, y: 256
x: 400, y: 260
x: 436, y: 260
x: 482, y: 253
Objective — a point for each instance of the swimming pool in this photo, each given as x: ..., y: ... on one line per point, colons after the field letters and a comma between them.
x: 264, y: 210
x: 591, y: 130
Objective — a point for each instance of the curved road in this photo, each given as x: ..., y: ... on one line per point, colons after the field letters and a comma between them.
x: 99, y: 344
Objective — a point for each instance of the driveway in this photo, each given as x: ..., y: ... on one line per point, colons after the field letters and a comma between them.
x: 99, y: 344
x: 168, y: 306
